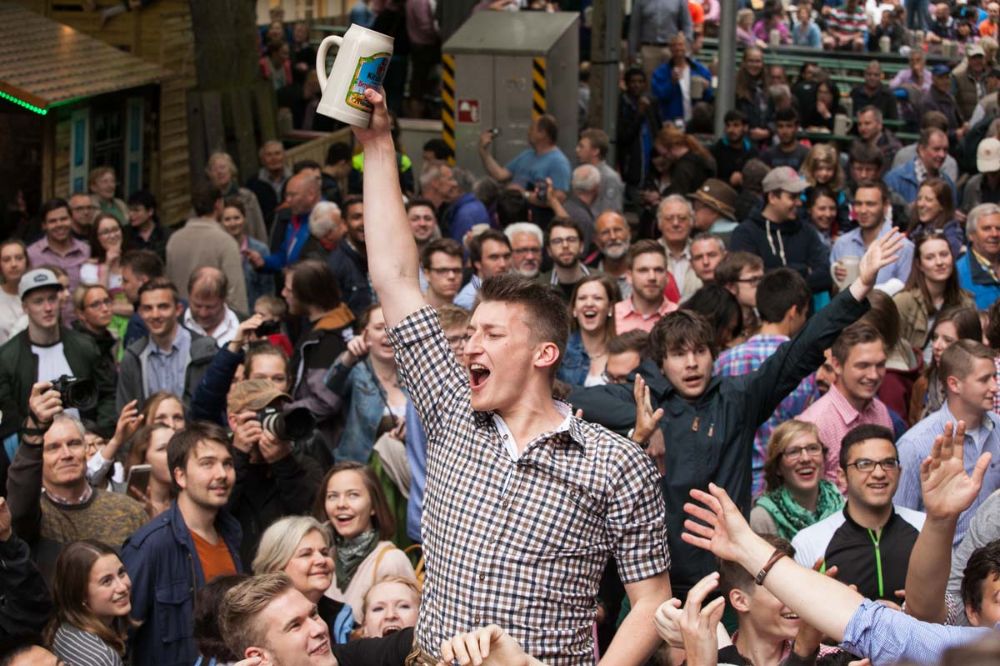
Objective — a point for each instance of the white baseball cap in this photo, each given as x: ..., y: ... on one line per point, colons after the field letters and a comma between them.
x: 988, y: 156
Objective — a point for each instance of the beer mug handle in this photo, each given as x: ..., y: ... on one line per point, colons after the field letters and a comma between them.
x: 321, y: 57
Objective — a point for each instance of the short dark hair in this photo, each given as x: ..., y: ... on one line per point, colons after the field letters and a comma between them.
x: 511, y: 208
x: 302, y: 165
x: 204, y: 197
x: 314, y: 284
x: 338, y: 152
x: 142, y: 198
x: 778, y: 291
x: 956, y: 361
x: 598, y: 139
x: 884, y: 316
x: 351, y: 200
x: 734, y: 116
x: 143, y: 262
x: 184, y: 442
x: 863, y: 433
x: 858, y: 333
x: 641, y: 247
x: 729, y: 269
x: 992, y: 330
x: 879, y: 185
x: 863, y: 152
x: 786, y: 115
x: 983, y: 564
x: 927, y: 133
x: 634, y: 71
x: 678, y: 331
x: 565, y: 223
x: 547, y: 312
x: 732, y: 576
x: 447, y: 246
x: 719, y: 306
x: 53, y: 204
x: 636, y: 340
x: 476, y: 244
x: 439, y: 148
x: 413, y: 203
x: 157, y: 284
x: 207, y: 604
x: 548, y: 124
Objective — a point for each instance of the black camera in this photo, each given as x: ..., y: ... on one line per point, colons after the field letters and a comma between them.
x: 269, y: 327
x: 287, y: 426
x: 76, y: 393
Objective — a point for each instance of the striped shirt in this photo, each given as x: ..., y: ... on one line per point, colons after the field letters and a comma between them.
x: 80, y: 648
x: 521, y: 542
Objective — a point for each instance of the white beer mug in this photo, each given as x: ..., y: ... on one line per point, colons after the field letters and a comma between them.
x: 362, y: 60
x: 842, y: 124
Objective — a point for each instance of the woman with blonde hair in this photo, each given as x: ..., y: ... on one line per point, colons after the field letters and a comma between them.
x: 92, y: 594
x: 300, y: 546
x: 822, y: 168
x: 391, y: 604
x: 797, y: 495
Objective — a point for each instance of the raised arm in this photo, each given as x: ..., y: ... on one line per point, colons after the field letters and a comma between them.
x: 948, y: 491
x: 392, y: 252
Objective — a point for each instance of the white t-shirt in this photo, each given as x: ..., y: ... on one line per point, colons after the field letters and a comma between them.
x: 10, y: 313
x: 52, y: 365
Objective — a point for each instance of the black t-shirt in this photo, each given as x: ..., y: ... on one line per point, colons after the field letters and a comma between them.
x: 388, y: 651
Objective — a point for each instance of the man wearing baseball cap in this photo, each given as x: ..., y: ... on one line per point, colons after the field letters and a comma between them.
x: 779, y: 237
x: 940, y: 98
x: 984, y: 187
x: 271, y: 480
x: 969, y: 78
x: 44, y: 352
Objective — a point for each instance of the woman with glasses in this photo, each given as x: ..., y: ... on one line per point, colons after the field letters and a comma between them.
x: 592, y: 307
x: 107, y: 245
x: 934, y: 210
x: 797, y: 495
x: 92, y: 303
x: 931, y: 288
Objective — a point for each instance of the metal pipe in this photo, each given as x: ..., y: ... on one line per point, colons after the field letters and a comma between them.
x: 725, y: 95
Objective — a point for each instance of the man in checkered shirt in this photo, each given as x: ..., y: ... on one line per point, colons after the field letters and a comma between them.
x: 524, y: 503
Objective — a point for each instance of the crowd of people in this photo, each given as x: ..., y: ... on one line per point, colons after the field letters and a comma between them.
x: 581, y: 408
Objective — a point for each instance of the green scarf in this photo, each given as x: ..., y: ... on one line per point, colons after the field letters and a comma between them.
x: 790, y: 516
x: 351, y: 553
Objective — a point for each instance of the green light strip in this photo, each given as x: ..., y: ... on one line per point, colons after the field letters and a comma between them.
x: 20, y: 102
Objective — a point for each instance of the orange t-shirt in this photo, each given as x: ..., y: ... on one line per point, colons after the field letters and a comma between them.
x: 987, y: 29
x: 215, y: 558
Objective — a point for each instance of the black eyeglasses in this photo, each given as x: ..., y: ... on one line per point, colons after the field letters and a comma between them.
x: 866, y: 465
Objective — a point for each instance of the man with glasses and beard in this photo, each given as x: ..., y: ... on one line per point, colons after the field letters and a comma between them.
x: 526, y: 240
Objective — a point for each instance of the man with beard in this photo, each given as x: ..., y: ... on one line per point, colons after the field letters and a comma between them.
x: 564, y: 247
x: 647, y: 273
x: 612, y: 239
x: 526, y: 241
x: 194, y: 541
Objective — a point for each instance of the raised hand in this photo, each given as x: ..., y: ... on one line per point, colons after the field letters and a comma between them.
x: 5, y: 521
x: 379, y: 127
x: 699, y: 624
x: 128, y: 422
x: 883, y: 252
x: 487, y: 645
x: 947, y: 488
x: 672, y: 615
x: 647, y: 421
x: 44, y: 403
x: 725, y: 531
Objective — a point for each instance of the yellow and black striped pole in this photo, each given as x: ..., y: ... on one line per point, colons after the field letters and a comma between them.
x: 448, y: 102
x: 537, y: 88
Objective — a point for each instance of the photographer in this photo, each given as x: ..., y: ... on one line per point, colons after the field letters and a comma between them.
x: 272, y: 480
x: 51, y: 502
x: 44, y: 352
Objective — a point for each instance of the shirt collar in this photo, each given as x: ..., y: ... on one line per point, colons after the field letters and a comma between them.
x: 180, y: 337
x: 568, y: 426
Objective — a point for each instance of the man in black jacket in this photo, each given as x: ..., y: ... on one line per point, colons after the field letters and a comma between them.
x: 777, y: 235
x: 349, y: 262
x: 271, y: 480
x: 709, y: 421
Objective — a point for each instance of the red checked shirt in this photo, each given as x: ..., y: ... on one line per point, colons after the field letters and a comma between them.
x: 521, y: 542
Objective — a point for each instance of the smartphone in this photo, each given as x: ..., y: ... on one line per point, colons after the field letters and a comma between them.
x: 541, y: 190
x: 138, y: 480
x: 269, y: 327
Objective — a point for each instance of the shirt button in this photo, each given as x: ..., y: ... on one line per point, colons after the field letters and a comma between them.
x: 505, y: 437
x: 482, y: 577
x: 477, y: 620
x: 505, y: 504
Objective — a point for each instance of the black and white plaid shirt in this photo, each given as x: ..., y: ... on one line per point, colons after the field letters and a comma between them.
x: 521, y: 543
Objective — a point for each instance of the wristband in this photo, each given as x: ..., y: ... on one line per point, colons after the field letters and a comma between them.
x: 762, y: 574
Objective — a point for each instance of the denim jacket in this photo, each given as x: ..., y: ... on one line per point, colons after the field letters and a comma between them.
x: 365, y: 404
x: 576, y: 362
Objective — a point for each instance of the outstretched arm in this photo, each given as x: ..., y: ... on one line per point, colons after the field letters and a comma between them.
x: 947, y: 491
x: 392, y: 252
x: 821, y: 602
